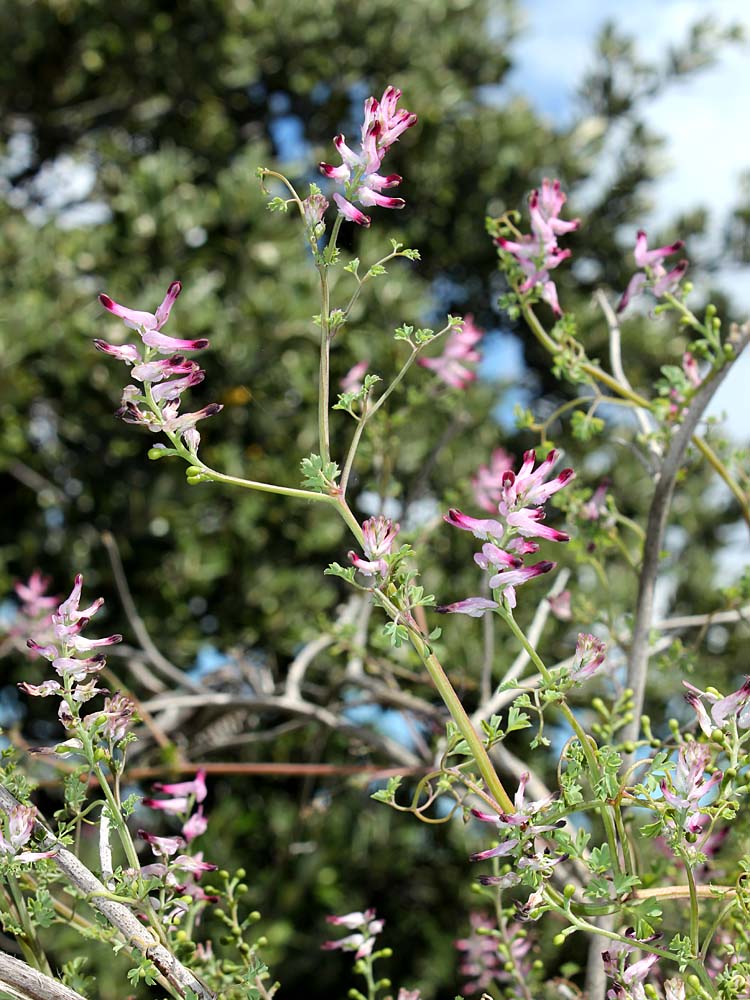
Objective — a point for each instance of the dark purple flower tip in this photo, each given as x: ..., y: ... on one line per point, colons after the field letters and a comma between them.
x: 106, y: 301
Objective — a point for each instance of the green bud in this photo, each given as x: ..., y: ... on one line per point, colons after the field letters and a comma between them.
x: 569, y: 891
x: 731, y: 772
x: 383, y: 984
x: 386, y: 952
x: 254, y: 917
x: 240, y: 873
x: 693, y: 981
x: 262, y: 941
x: 598, y: 705
x: 508, y: 967
x: 628, y: 746
x: 156, y: 453
x: 242, y: 887
x: 558, y: 940
x: 717, y: 736
x: 537, y: 965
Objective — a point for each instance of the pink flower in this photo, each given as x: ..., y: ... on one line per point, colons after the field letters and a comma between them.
x: 359, y: 172
x: 363, y: 941
x: 161, y: 846
x: 593, y: 509
x: 379, y: 535
x: 352, y: 381
x: 690, y: 367
x: 735, y: 705
x: 590, y: 655
x: 689, y: 785
x: 559, y: 605
x: 33, y: 596
x: 531, y: 486
x: 488, y: 480
x: 480, y: 960
x: 475, y: 607
x: 196, y: 787
x: 537, y: 254
x: 195, y: 826
x: 178, y: 806
x: 652, y: 270
x: 507, y: 540
x: 19, y: 826
x: 149, y: 326
x: 482, y: 528
x: 459, y: 348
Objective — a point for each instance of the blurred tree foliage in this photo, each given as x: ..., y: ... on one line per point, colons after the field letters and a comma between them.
x: 131, y: 137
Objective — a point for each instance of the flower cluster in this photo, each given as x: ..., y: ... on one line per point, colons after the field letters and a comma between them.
x: 78, y: 671
x: 507, y: 542
x: 32, y: 617
x: 379, y: 535
x: 480, y: 959
x: 180, y: 872
x: 538, y: 254
x: 629, y: 977
x: 521, y: 830
x: 460, y: 349
x: 156, y: 403
x: 590, y: 655
x: 653, y: 272
x: 359, y: 172
x: 688, y: 785
x: 366, y: 928
x: 487, y: 482
x: 183, y: 796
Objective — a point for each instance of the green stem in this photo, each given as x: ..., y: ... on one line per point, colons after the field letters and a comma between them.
x: 694, y: 914
x: 30, y: 942
x: 325, y: 367
x: 368, y: 414
x: 607, y: 812
x: 453, y: 703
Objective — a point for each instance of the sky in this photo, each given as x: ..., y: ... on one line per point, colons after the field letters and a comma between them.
x: 705, y: 118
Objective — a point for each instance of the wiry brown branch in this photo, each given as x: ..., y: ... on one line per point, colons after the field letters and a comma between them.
x: 158, y: 661
x: 657, y: 523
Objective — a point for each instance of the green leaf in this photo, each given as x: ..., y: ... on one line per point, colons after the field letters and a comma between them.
x: 388, y: 794
x: 318, y: 475
x: 346, y: 573
x: 516, y: 720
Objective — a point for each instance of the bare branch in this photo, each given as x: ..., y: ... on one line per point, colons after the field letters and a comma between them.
x: 154, y: 656
x: 657, y: 523
x: 643, y: 417
x: 20, y: 980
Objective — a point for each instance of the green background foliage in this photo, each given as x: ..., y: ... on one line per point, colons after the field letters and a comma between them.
x: 173, y: 110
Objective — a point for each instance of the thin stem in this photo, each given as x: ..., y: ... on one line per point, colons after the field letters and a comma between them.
x: 453, y: 703
x: 251, y: 484
x: 369, y: 413
x: 598, y: 374
x: 325, y: 367
x: 32, y: 946
x: 507, y: 615
x: 694, y: 916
